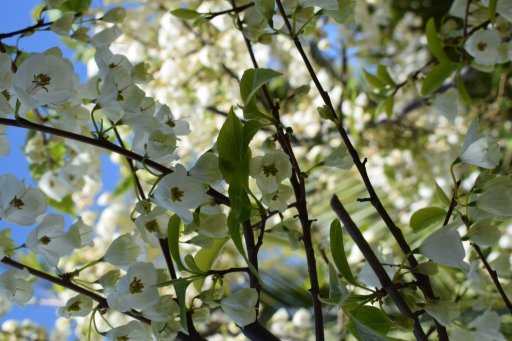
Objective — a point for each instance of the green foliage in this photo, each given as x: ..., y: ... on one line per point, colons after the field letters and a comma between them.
x: 426, y: 218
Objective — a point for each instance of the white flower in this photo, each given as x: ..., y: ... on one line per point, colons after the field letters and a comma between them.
x: 479, y: 150
x: 15, y: 287
x: 448, y: 104
x: 79, y: 305
x: 134, y: 330
x: 503, y: 7
x: 136, y: 290
x: 444, y: 246
x: 163, y: 310
x: 497, y: 197
x: 270, y: 170
x: 18, y: 204
x: 240, y: 307
x: 485, y: 327
x: 124, y: 250
x: 44, y: 78
x: 179, y: 193
x: 483, y: 46
x: 278, y: 201
x: 49, y: 239
x: 153, y: 225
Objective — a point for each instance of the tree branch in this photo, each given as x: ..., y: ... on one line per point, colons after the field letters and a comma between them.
x: 423, y: 281
x: 377, y: 267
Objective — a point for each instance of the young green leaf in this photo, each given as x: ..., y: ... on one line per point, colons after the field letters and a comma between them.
x: 426, y: 217
x: 338, y: 252
x: 173, y: 239
x: 437, y: 75
x: 253, y: 79
x: 435, y: 45
x: 180, y: 286
x: 373, y: 80
x: 383, y: 74
x: 205, y: 258
x: 185, y: 13
x: 441, y: 195
x: 265, y: 8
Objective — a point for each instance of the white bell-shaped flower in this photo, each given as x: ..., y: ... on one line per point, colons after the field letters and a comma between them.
x: 44, y: 78
x: 80, y: 305
x: 179, y: 193
x: 270, y: 170
x: 136, y: 290
x: 241, y: 306
x: 19, y: 204
x: 153, y: 225
x: 15, y: 286
x: 479, y: 150
x: 124, y: 250
x: 50, y: 240
x: 483, y: 46
x: 134, y: 330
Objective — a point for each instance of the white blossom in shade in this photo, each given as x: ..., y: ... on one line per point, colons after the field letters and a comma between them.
x: 278, y: 201
x: 496, y: 197
x: 179, y: 193
x: 483, y: 46
x: 207, y: 168
x: 134, y: 330
x: 503, y: 8
x: 270, y: 170
x: 81, y: 233
x: 7, y: 98
x: 241, y: 306
x: 479, y: 150
x: 80, y: 305
x: 153, y: 225
x: 15, y: 287
x: 485, y: 327
x: 444, y: 246
x: 164, y: 115
x: 50, y: 240
x: 19, y: 204
x: 448, y: 104
x: 135, y: 290
x: 44, y: 78
x: 124, y: 250
x: 165, y: 309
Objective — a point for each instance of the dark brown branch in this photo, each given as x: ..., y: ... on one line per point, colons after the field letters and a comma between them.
x: 423, y: 281
x: 298, y: 185
x: 231, y: 10
x: 104, y: 144
x: 494, y: 277
x: 377, y: 267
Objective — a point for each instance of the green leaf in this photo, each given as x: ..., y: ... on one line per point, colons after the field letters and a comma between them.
x: 233, y: 161
x: 427, y: 217
x: 185, y: 13
x: 66, y: 205
x: 373, y: 80
x: 180, y: 286
x: 369, y: 323
x: 384, y: 75
x: 191, y: 264
x: 338, y: 252
x: 388, y: 105
x: 205, y: 258
x: 173, y: 239
x: 234, y: 232
x: 435, y: 45
x: 253, y: 79
x: 436, y: 77
x: 338, y: 293
x: 78, y: 6
x: 265, y: 8
x: 441, y: 195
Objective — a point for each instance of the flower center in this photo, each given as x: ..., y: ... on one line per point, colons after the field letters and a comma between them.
x: 6, y: 94
x: 170, y: 123
x: 17, y: 203
x: 176, y: 194
x: 269, y: 170
x: 75, y: 306
x: 481, y: 46
x: 151, y: 226
x: 45, y: 240
x: 42, y: 80
x: 136, y: 286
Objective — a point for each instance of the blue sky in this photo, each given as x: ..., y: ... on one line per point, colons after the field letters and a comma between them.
x: 16, y: 14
